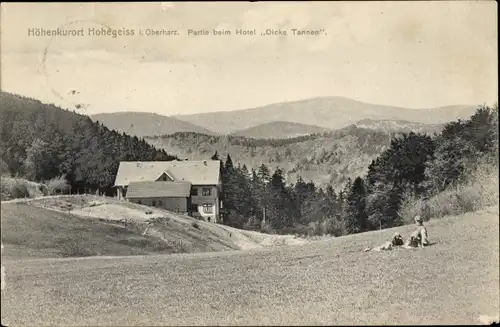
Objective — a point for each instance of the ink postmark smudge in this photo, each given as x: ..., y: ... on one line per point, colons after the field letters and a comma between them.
x: 65, y: 96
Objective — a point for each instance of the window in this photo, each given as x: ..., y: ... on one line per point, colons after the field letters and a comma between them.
x: 206, y: 191
x: 194, y: 191
x: 160, y: 203
x: 207, y: 208
x: 154, y: 203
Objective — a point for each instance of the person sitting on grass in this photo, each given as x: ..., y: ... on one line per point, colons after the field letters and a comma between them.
x: 387, y: 246
x: 419, y: 238
x: 397, y: 240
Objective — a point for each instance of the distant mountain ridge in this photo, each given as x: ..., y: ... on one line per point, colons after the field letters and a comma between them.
x: 326, y: 112
x: 387, y: 125
x: 288, y: 119
x: 143, y: 124
x: 279, y: 130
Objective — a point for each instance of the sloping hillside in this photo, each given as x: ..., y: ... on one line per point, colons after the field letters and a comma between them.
x: 29, y: 231
x: 279, y: 130
x: 41, y: 142
x: 328, y: 158
x: 143, y: 124
x: 399, y: 126
x: 82, y: 225
x: 454, y: 281
x: 327, y: 112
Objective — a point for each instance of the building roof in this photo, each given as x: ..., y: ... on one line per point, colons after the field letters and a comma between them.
x: 159, y: 189
x: 196, y: 172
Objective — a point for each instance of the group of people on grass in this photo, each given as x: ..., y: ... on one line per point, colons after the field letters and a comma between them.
x: 419, y: 238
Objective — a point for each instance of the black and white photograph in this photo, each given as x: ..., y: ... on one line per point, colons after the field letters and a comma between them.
x: 305, y: 163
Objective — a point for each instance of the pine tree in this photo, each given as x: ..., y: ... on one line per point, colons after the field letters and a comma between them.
x: 239, y: 201
x: 229, y: 164
x: 264, y: 174
x: 244, y: 170
x: 246, y: 205
x: 356, y: 220
x: 258, y: 194
x: 301, y: 194
x: 282, y: 210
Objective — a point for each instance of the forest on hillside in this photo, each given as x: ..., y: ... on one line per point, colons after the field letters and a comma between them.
x: 41, y: 142
x: 414, y: 166
x: 328, y: 158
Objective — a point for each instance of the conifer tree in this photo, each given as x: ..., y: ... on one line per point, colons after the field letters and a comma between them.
x: 229, y: 164
x: 356, y: 220
x: 264, y: 174
x: 282, y: 210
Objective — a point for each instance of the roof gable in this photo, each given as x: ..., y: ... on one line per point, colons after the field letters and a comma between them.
x: 166, y: 177
x: 205, y: 172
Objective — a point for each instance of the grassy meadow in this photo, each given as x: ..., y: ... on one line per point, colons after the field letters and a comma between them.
x: 454, y: 281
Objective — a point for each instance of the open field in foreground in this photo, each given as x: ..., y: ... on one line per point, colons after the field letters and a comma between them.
x: 329, y: 282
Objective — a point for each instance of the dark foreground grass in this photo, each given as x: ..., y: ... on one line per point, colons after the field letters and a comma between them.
x: 332, y: 282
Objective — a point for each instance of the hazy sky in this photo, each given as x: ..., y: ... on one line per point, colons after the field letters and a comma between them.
x: 410, y: 54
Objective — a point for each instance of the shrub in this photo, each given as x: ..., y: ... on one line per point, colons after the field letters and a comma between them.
x: 44, y: 189
x: 478, y: 191
x: 19, y: 189
x: 195, y: 225
x: 4, y: 191
x: 266, y: 227
x: 4, y: 168
x: 252, y: 223
x: 313, y: 228
x: 58, y: 185
x: 301, y: 230
x: 12, y: 188
x: 332, y: 226
x: 72, y: 248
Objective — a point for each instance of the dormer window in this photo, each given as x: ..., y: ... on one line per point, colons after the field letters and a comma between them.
x: 165, y: 177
